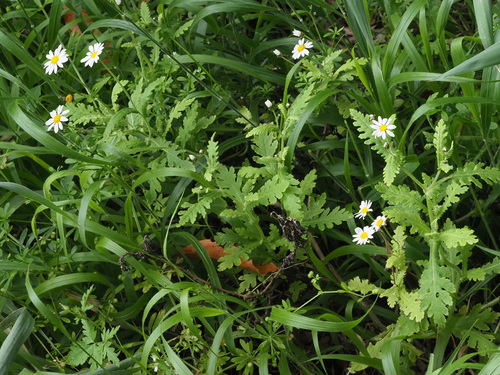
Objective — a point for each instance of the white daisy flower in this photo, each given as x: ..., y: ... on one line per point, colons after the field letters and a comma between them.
x: 57, y: 118
x: 56, y: 60
x: 118, y: 2
x: 268, y: 103
x: 296, y: 32
x: 382, y: 127
x: 363, y: 235
x: 379, y: 221
x: 301, y: 49
x: 93, y: 54
x: 277, y: 52
x: 364, y: 208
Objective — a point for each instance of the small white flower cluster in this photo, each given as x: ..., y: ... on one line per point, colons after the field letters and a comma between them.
x: 301, y: 49
x: 59, y: 57
x: 56, y: 61
x: 363, y: 235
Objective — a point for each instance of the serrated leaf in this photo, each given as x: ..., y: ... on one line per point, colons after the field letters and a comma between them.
x: 263, y: 129
x: 246, y: 115
x: 183, y: 28
x: 362, y: 286
x: 308, y: 184
x: 145, y: 14
x: 411, y: 306
x: 195, y: 210
x: 265, y: 146
x: 247, y: 281
x: 453, y: 191
x: 192, y: 124
x: 233, y: 258
x: 82, y: 114
x: 177, y: 111
x: 230, y: 184
x: 212, y: 159
x: 476, y: 324
x: 492, y: 267
x: 392, y: 295
x: 401, y: 195
x: 297, y: 109
x: 457, y: 237
x: 407, y: 218
x: 394, y: 160
x: 292, y: 203
x: 441, y: 145
x: 475, y: 274
x: 436, y: 292
x: 408, y: 327
x: 117, y: 89
x: 468, y: 173
x: 317, y: 216
x: 270, y: 192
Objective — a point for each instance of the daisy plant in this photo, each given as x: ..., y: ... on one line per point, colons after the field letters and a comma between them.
x: 376, y: 134
x: 382, y: 127
x: 362, y: 236
x: 364, y: 208
x: 301, y: 49
x: 379, y: 222
x: 93, y: 54
x: 56, y: 60
x: 56, y: 119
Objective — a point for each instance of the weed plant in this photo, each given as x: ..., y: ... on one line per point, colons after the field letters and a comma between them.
x: 351, y: 148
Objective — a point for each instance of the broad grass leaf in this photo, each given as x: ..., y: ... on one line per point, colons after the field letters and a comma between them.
x: 17, y: 336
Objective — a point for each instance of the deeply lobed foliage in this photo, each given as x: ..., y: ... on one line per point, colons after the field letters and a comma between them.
x: 197, y: 123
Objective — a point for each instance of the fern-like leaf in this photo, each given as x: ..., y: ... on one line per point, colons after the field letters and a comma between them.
x: 453, y: 191
x: 411, y: 305
x: 266, y: 129
x: 441, y: 146
x: 468, y: 173
x: 195, y: 210
x: 145, y: 14
x: 407, y: 218
x: 318, y: 217
x: 457, y: 237
x: 212, y: 159
x: 403, y: 197
x: 270, y: 192
x: 394, y: 160
x: 436, y: 292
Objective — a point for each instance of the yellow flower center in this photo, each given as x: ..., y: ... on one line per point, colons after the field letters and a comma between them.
x: 364, y: 235
x: 383, y: 128
x: 57, y: 118
x: 54, y: 60
x: 380, y: 222
x: 301, y: 48
x: 93, y: 54
x: 364, y: 210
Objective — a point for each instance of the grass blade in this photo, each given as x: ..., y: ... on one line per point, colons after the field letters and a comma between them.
x: 17, y: 336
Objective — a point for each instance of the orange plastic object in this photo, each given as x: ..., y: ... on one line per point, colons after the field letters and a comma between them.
x: 215, y: 252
